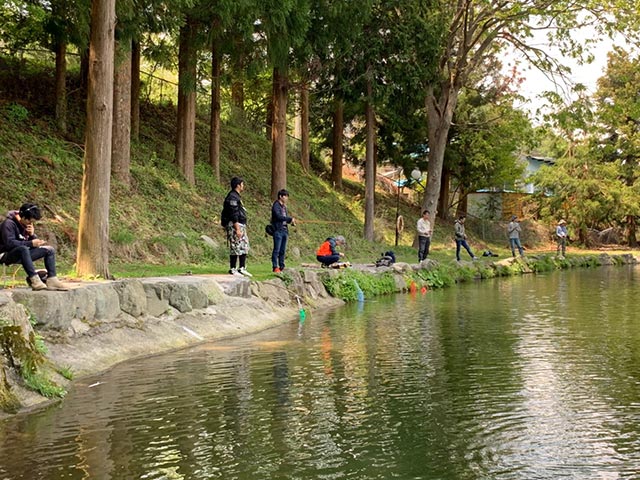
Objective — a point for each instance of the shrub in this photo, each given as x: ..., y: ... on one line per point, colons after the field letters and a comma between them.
x: 16, y: 113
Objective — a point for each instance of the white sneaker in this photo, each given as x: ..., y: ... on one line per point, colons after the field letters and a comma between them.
x: 235, y: 272
x: 243, y: 271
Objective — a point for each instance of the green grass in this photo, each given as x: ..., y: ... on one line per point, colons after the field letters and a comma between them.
x: 39, y: 382
x: 66, y: 372
x: 156, y: 224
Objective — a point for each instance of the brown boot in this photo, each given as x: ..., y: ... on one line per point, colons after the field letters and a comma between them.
x: 36, y: 283
x: 54, y: 284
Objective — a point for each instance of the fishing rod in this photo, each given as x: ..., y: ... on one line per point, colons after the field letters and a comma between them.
x: 324, y: 221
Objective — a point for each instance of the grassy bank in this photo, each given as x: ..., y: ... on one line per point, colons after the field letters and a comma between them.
x: 347, y: 283
x: 157, y: 223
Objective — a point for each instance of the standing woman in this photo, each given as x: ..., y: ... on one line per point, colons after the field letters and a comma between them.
x: 234, y: 219
x: 280, y: 221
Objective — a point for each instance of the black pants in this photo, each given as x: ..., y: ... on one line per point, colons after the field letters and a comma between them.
x: 328, y: 259
x: 26, y: 256
x: 423, y: 247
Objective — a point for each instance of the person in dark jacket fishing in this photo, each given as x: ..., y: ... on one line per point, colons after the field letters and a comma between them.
x: 234, y: 219
x: 280, y: 221
x: 20, y: 244
x: 328, y: 254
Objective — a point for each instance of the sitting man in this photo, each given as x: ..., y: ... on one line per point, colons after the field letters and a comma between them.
x: 19, y: 244
x: 327, y: 253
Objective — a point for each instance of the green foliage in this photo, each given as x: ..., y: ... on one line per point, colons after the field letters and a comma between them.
x: 486, y: 136
x: 39, y: 382
x: 345, y: 284
x: 437, y: 278
x: 27, y: 356
x: 66, y: 372
x: 465, y: 273
x: 40, y: 346
x: 595, y: 182
x: 543, y: 264
x: 286, y: 278
x: 584, y: 191
x: 16, y: 113
x: 486, y: 271
x: 9, y: 403
x: 122, y: 237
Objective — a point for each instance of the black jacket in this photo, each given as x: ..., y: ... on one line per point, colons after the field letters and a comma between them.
x: 13, y: 234
x: 233, y: 211
x: 279, y: 217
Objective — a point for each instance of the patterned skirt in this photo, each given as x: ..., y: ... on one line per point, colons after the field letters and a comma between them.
x: 238, y: 245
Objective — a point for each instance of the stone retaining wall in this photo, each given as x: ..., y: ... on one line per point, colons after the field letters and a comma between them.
x: 95, y: 325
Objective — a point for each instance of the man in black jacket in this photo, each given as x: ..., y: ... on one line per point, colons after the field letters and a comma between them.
x: 20, y: 244
x: 234, y: 219
x: 280, y: 221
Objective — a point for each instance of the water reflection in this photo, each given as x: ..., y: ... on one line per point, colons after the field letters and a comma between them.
x: 535, y: 377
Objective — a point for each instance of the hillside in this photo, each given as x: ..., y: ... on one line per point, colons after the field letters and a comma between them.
x: 160, y: 219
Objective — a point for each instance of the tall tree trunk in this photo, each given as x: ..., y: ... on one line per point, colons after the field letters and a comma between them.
x: 338, y: 135
x: 279, y: 132
x: 629, y: 180
x: 269, y: 118
x: 237, y: 94
x: 445, y: 189
x: 304, y: 128
x: 84, y: 69
x: 135, y: 90
x: 439, y: 115
x: 297, y: 118
x: 463, y: 202
x: 93, y: 227
x: 237, y: 83
x: 121, y: 141
x: 185, y: 142
x: 631, y: 231
x: 214, y: 132
x: 370, y: 170
x: 61, y: 85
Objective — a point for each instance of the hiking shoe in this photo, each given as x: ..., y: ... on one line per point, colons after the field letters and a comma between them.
x: 37, y: 283
x: 54, y: 284
x: 234, y: 271
x: 244, y: 271
x: 277, y: 270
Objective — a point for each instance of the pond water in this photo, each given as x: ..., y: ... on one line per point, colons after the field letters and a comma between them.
x: 535, y: 377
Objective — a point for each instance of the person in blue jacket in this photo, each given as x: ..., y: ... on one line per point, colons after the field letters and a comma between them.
x: 20, y: 244
x: 280, y: 220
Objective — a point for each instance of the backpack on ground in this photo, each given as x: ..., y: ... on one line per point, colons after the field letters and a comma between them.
x: 386, y: 260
